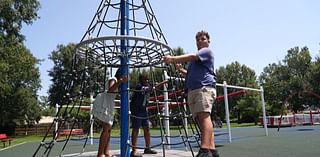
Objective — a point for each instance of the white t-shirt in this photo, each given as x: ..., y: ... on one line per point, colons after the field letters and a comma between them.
x: 103, y: 105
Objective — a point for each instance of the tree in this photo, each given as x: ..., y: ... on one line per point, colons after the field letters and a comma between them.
x: 292, y: 75
x: 13, y: 13
x: 299, y: 64
x: 60, y: 73
x: 273, y: 79
x: 315, y: 75
x: 240, y: 106
x: 19, y: 83
x: 73, y: 75
x: 46, y: 109
x: 19, y: 80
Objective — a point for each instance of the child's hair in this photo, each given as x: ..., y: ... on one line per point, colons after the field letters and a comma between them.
x: 142, y: 77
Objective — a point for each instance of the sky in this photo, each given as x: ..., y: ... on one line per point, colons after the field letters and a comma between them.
x: 253, y: 32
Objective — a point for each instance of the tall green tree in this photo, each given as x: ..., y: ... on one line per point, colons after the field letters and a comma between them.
x: 60, y: 73
x: 19, y: 74
x: 243, y: 107
x: 273, y: 79
x: 315, y: 75
x: 299, y: 62
x: 19, y: 83
x: 292, y: 75
x: 46, y: 109
x: 74, y: 75
x: 13, y: 13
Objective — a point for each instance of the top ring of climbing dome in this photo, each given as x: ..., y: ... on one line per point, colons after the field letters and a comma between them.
x: 141, y: 51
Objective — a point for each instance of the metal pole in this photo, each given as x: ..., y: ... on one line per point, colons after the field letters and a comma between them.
x: 264, y: 112
x: 57, y: 121
x: 91, y: 119
x: 124, y: 111
x: 225, y: 91
x: 166, y: 110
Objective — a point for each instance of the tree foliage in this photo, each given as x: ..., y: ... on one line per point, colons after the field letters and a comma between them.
x: 60, y: 73
x: 73, y: 75
x: 13, y: 13
x: 243, y: 107
x: 315, y: 75
x: 19, y: 74
x: 19, y: 83
x: 295, y: 74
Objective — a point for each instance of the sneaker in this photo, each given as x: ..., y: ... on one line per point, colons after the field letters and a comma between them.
x: 149, y: 151
x: 134, y: 154
x: 214, y: 153
x: 204, y: 153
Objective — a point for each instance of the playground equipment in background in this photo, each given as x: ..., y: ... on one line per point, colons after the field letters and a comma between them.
x: 75, y: 132
x: 305, y: 118
x: 300, y: 118
x: 225, y: 91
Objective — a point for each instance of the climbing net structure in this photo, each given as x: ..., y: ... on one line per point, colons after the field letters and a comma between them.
x: 122, y: 34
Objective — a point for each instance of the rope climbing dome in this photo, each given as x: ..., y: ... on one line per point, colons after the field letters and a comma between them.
x: 123, y: 34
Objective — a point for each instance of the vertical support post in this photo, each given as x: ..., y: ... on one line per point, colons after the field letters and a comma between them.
x: 166, y: 110
x: 311, y: 118
x: 226, y: 105
x: 264, y: 112
x: 57, y: 121
x: 185, y: 118
x: 91, y: 119
x: 124, y: 60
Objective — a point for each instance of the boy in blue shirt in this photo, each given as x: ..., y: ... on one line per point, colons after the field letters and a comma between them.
x: 200, y: 83
x: 139, y: 113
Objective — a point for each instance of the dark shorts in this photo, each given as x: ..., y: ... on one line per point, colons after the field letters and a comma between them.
x: 137, y: 123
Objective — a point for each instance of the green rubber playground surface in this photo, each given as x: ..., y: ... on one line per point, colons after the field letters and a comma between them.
x: 246, y: 142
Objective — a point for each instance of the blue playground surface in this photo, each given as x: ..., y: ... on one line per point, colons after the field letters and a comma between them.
x: 246, y: 142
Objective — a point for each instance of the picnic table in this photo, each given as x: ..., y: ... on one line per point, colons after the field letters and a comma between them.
x: 73, y: 132
x: 4, y: 138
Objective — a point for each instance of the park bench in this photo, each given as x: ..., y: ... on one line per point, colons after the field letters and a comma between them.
x: 4, y: 138
x: 73, y: 132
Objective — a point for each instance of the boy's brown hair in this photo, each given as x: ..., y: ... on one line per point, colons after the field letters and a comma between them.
x: 203, y: 33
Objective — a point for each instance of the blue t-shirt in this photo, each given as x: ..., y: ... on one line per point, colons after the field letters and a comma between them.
x: 139, y: 100
x: 201, y: 72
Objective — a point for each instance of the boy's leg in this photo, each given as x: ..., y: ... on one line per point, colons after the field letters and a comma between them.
x: 134, y: 138
x: 136, y: 124
x: 206, y: 129
x: 147, y: 137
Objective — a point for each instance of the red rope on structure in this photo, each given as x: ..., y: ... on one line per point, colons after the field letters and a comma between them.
x: 170, y: 94
x: 86, y: 108
x: 170, y: 104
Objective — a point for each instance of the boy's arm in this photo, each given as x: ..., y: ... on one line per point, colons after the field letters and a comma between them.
x: 180, y: 59
x: 158, y: 85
